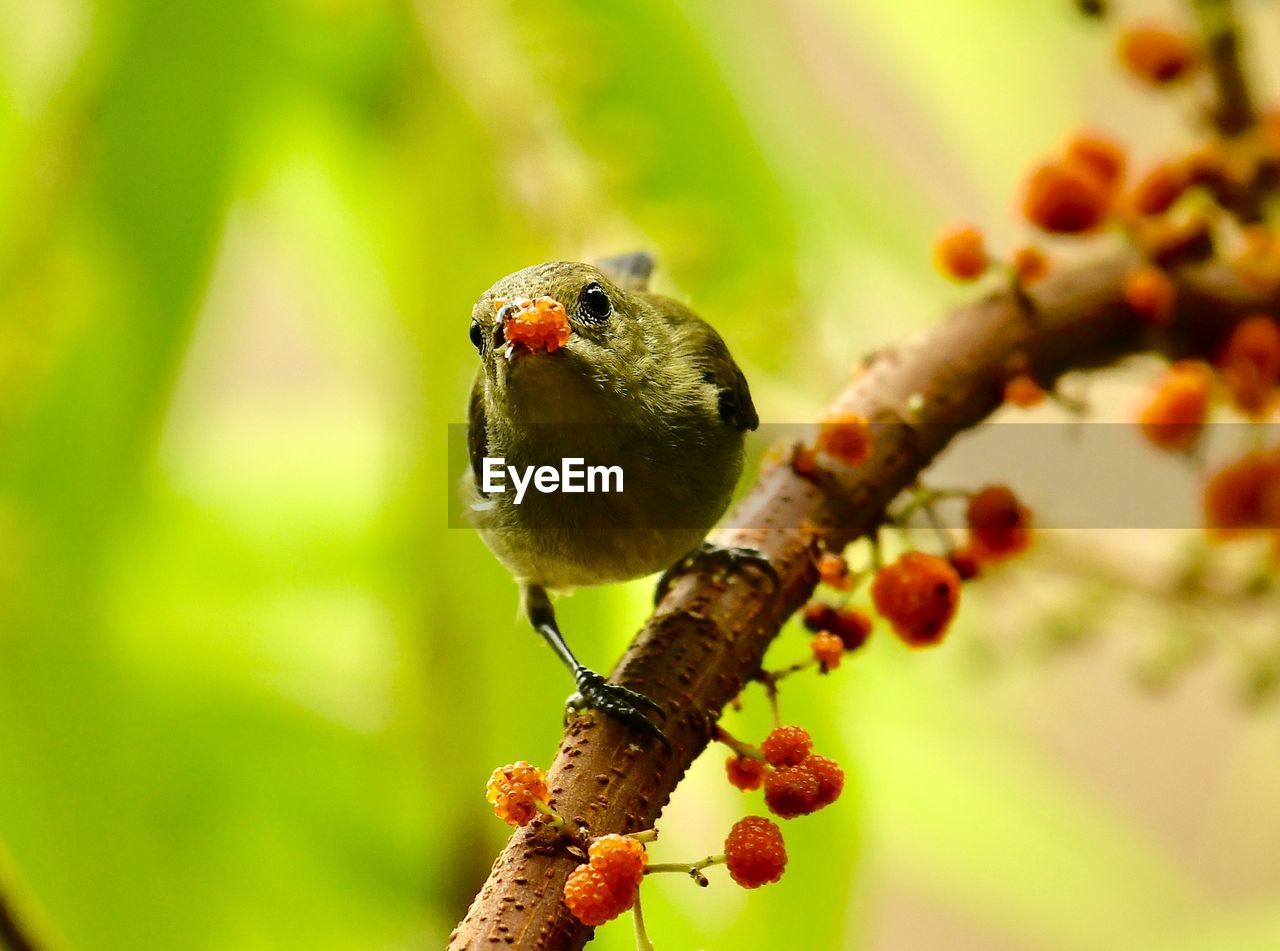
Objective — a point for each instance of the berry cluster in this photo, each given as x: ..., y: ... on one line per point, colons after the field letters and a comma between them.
x: 608, y: 883
x: 796, y: 780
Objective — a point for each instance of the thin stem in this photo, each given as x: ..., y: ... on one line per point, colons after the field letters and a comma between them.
x: 557, y: 821
x: 745, y: 750
x: 693, y: 869
x: 642, y: 935
x: 1233, y: 112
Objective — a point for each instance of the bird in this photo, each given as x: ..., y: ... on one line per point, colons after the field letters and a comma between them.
x: 583, y: 362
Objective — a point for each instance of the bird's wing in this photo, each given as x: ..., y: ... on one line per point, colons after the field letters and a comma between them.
x: 631, y: 272
x: 477, y: 431
x: 711, y: 355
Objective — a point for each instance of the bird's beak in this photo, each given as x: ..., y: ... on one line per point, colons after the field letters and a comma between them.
x: 533, y: 325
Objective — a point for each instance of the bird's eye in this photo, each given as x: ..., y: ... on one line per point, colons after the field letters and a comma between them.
x: 477, y: 336
x: 594, y: 303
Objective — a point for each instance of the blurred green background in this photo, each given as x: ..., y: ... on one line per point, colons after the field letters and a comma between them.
x: 250, y: 684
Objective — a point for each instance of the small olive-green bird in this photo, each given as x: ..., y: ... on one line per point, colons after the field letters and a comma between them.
x: 639, y: 382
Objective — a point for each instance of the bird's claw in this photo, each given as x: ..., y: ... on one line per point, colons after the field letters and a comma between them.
x: 727, y: 558
x: 621, y: 703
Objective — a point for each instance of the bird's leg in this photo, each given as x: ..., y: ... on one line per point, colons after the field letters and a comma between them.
x: 725, y: 558
x: 594, y: 691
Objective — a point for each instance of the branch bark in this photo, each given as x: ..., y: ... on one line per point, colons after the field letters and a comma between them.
x: 708, y: 636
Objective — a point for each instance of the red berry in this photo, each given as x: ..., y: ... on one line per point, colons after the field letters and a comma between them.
x: 1244, y: 495
x: 853, y: 627
x: 787, y: 746
x: 1150, y: 294
x: 1251, y: 364
x: 999, y: 525
x: 620, y: 859
x: 959, y: 253
x: 745, y: 772
x: 513, y: 790
x: 591, y: 897
x: 1156, y: 54
x: 1176, y: 413
x: 1100, y: 154
x: 1065, y: 197
x: 791, y: 791
x: 1155, y: 192
x: 1030, y: 265
x: 827, y: 649
x: 830, y: 778
x: 965, y: 562
x: 918, y: 595
x: 1023, y: 390
x: 845, y: 437
x: 819, y: 617
x: 834, y: 571
x: 754, y: 852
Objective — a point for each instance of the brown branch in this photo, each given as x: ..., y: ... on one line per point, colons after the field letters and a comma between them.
x: 1233, y: 111
x: 708, y: 636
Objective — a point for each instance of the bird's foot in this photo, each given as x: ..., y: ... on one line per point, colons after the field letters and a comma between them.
x: 725, y: 558
x: 621, y: 703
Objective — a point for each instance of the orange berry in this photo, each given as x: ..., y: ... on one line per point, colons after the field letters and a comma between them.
x: 540, y: 324
x: 1030, y: 265
x: 1258, y: 263
x: 1065, y: 197
x: 1156, y: 54
x: 745, y: 772
x: 845, y: 437
x: 1150, y: 294
x: 1155, y: 192
x: 512, y: 790
x: 1176, y: 413
x: 1244, y: 494
x: 591, y: 897
x: 754, y: 852
x: 918, y: 595
x: 999, y: 525
x: 620, y: 858
x: 959, y: 253
x: 1022, y: 390
x: 1102, y: 155
x: 787, y: 746
x: 827, y: 649
x: 1250, y: 364
x: 834, y: 571
x: 830, y: 778
x: 853, y: 627
x: 792, y: 791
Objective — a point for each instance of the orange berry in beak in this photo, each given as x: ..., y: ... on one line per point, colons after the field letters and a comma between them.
x: 539, y: 324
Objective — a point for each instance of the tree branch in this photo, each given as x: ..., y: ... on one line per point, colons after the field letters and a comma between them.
x: 708, y: 636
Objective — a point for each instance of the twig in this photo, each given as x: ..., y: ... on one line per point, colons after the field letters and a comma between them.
x: 709, y: 634
x: 1233, y: 110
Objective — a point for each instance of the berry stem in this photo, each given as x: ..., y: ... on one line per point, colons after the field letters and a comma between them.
x: 742, y: 749
x: 557, y: 821
x: 644, y: 835
x: 692, y: 869
x: 642, y: 935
